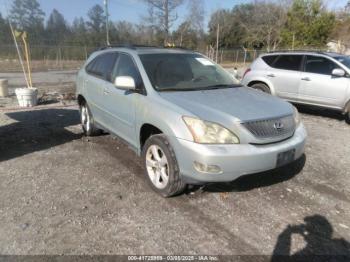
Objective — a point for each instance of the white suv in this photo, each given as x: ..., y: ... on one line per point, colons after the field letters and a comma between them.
x: 312, y: 78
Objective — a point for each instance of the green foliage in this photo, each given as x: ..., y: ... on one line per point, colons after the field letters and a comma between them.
x: 5, y: 35
x: 56, y: 29
x: 258, y: 24
x: 309, y: 22
x: 27, y: 15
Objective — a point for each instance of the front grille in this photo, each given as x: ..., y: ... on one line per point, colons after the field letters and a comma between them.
x: 282, y: 127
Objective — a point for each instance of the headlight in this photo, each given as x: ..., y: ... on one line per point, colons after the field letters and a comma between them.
x: 296, y: 116
x: 204, y: 132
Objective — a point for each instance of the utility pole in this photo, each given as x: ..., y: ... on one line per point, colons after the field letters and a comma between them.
x: 107, y: 22
x: 217, y: 42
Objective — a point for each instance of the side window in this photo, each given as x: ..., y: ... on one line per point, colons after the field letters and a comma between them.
x: 288, y: 62
x: 102, y: 66
x: 269, y: 59
x: 127, y: 67
x: 319, y: 65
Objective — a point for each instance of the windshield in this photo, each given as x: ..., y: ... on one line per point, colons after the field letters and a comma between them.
x: 345, y: 60
x: 185, y: 72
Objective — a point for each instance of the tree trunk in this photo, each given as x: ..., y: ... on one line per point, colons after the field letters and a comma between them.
x: 166, y: 21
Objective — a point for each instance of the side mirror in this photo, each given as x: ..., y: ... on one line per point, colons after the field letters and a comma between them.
x: 125, y: 83
x: 338, y: 72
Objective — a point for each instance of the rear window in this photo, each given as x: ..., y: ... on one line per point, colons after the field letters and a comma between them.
x: 288, y: 62
x: 269, y: 59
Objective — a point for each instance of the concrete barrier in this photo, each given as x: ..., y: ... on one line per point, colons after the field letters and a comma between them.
x: 4, y: 92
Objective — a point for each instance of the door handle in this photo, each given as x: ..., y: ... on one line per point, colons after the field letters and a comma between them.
x: 271, y: 75
x: 306, y: 79
x: 106, y: 91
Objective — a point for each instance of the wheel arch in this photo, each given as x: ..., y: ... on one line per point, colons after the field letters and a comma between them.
x: 262, y: 81
x: 146, y: 131
x: 81, y: 99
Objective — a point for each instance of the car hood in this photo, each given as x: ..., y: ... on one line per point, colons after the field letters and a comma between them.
x: 242, y: 103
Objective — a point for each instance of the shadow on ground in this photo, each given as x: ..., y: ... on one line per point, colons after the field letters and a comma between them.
x: 316, y: 111
x: 320, y: 245
x: 263, y: 179
x: 36, y: 130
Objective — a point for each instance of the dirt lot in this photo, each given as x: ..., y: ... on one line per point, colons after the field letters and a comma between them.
x: 62, y: 193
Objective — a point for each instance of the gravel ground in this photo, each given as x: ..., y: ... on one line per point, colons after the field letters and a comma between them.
x: 62, y: 193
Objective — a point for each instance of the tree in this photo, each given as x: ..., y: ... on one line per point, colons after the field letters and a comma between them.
x: 27, y: 15
x: 97, y: 19
x: 79, y: 31
x: 196, y: 15
x: 232, y: 34
x: 308, y: 24
x: 56, y: 28
x: 5, y: 36
x: 186, y: 36
x: 341, y: 30
x: 165, y: 14
x: 96, y: 25
x: 264, y: 23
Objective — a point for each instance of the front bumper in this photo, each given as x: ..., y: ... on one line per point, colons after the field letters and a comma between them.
x: 234, y: 160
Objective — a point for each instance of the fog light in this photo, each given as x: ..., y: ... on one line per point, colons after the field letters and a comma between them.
x: 210, y: 169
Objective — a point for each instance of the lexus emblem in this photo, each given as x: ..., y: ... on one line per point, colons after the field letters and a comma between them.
x: 278, y: 126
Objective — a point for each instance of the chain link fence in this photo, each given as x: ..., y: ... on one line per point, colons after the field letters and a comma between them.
x: 46, y: 57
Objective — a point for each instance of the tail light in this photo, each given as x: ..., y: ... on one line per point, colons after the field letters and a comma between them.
x: 246, y: 72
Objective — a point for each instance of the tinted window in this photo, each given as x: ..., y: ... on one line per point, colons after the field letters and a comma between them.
x: 289, y: 62
x: 319, y: 65
x: 345, y: 60
x: 269, y: 59
x: 102, y: 65
x: 126, y: 67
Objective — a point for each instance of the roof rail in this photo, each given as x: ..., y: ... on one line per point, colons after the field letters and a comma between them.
x: 297, y: 50
x: 130, y: 46
x: 134, y: 47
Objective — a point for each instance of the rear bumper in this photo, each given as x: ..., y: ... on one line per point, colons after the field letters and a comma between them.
x: 233, y: 160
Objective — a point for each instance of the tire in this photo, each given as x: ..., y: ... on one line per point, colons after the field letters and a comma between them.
x: 161, y: 167
x: 87, y: 121
x: 262, y: 87
x: 347, y: 117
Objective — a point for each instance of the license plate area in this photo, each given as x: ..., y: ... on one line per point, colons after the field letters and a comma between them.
x: 285, y: 158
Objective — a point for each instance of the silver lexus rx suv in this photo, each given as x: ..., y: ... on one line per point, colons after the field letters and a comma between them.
x: 185, y: 116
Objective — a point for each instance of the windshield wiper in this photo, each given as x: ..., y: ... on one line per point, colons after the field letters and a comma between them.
x: 219, y: 87
x: 176, y: 89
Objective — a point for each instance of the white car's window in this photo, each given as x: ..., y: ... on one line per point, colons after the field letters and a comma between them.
x: 185, y: 72
x: 289, y: 62
x: 269, y: 59
x: 319, y: 65
x: 345, y: 60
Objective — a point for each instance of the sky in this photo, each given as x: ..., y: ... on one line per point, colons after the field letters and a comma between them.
x: 132, y: 10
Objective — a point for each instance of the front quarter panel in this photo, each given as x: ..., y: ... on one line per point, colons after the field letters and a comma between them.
x: 167, y: 117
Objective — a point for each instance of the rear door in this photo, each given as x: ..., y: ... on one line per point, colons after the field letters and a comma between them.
x: 285, y: 75
x: 97, y: 71
x: 120, y: 104
x: 318, y: 86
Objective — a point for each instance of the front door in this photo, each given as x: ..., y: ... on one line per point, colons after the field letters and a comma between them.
x: 318, y: 86
x: 120, y: 104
